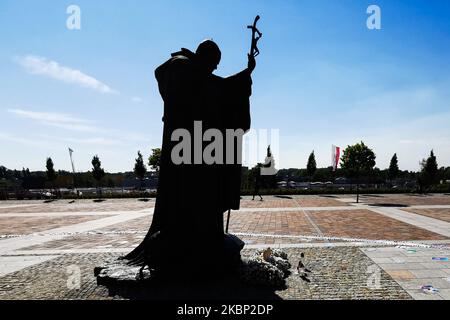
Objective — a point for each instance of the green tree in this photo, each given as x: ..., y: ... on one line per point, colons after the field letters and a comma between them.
x: 51, y: 173
x: 446, y: 173
x: 154, y: 161
x: 429, y: 174
x: 357, y: 161
x: 139, y: 168
x: 393, y: 168
x: 97, y: 172
x: 3, y: 172
x: 311, y: 167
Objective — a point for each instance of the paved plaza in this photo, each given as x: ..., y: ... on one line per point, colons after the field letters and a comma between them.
x: 386, y: 247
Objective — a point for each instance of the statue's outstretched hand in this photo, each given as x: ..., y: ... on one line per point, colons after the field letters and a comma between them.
x: 251, y: 62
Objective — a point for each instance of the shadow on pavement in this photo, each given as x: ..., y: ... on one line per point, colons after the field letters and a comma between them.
x: 228, y: 288
x: 371, y: 195
x: 283, y: 197
x: 388, y: 205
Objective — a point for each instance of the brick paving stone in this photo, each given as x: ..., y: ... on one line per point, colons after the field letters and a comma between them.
x: 337, y: 273
x: 28, y: 225
x: 419, y: 295
x: 368, y: 225
x: 350, y: 224
x: 48, y: 280
x: 79, y: 205
x: 269, y: 203
x: 140, y: 224
x: 281, y: 223
x: 406, y: 200
x: 436, y: 213
x: 91, y: 241
x: 411, y: 276
x: 319, y: 201
x: 292, y: 202
x: 428, y: 273
x: 445, y: 294
x: 402, y: 275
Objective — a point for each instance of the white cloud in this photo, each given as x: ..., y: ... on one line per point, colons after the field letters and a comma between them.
x: 95, y: 141
x: 69, y: 122
x: 59, y: 120
x: 31, y: 142
x: 52, y: 69
x: 136, y: 99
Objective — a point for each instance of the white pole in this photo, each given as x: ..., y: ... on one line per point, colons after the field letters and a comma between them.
x: 71, y: 160
x: 73, y: 169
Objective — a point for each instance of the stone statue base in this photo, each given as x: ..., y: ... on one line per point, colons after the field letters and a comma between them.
x: 120, y: 271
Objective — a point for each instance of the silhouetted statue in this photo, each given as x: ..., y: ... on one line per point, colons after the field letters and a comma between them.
x: 187, y: 231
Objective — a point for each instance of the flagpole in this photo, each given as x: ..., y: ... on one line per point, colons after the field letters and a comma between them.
x: 73, y: 169
x: 71, y: 160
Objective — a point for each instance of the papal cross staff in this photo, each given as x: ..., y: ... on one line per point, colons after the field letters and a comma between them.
x: 254, y: 51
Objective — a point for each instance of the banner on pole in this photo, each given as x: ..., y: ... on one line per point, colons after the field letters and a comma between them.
x: 335, y: 156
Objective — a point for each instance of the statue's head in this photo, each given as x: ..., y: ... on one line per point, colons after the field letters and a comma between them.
x: 209, y: 55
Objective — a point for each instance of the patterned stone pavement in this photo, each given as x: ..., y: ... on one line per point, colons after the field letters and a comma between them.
x: 287, y: 223
x: 369, y: 225
x: 335, y: 274
x: 269, y: 203
x: 407, y: 200
x: 414, y: 267
x: 91, y: 241
x: 292, y: 202
x: 436, y: 213
x: 77, y: 206
x: 27, y: 225
x: 342, y: 241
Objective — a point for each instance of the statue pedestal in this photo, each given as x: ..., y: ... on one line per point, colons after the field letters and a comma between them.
x: 120, y: 272
x: 262, y: 269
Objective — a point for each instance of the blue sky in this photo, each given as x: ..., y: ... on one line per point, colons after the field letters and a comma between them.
x: 322, y: 77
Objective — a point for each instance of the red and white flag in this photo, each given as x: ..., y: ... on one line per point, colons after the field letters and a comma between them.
x: 335, y: 156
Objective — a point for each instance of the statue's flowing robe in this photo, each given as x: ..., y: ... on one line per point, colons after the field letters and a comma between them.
x: 192, y: 198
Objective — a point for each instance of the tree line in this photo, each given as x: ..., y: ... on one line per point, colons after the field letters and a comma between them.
x: 357, y: 166
x: 96, y: 177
